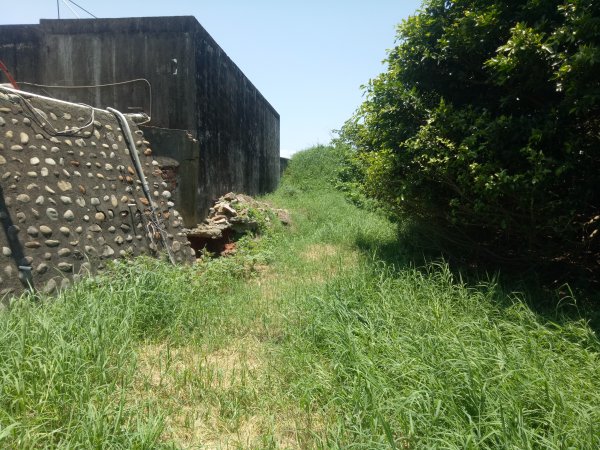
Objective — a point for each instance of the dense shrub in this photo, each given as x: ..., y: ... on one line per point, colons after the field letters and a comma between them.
x: 486, y: 127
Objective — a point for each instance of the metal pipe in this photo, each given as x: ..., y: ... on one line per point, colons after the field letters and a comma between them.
x: 132, y: 149
x: 140, y: 172
x: 4, y: 69
x: 138, y: 117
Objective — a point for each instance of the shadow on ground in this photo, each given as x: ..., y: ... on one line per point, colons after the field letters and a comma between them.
x: 555, y: 292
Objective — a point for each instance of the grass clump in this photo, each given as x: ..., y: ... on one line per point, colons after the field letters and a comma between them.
x: 416, y: 359
x: 65, y: 364
x: 304, y: 338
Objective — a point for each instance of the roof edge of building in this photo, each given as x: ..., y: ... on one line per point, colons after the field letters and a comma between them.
x: 128, y: 24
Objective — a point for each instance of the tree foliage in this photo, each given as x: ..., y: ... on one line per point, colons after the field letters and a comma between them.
x: 486, y: 126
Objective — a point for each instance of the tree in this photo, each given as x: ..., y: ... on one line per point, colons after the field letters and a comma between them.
x: 486, y: 126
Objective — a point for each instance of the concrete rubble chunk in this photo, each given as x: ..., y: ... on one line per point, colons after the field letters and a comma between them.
x: 231, y: 215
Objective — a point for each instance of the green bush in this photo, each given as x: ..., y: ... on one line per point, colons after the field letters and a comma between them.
x: 486, y: 127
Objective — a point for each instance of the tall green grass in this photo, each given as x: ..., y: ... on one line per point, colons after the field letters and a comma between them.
x: 304, y: 339
x: 412, y: 357
x: 418, y: 359
x: 67, y: 364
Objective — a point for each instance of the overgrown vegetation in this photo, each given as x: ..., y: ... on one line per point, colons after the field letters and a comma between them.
x: 303, y: 339
x: 485, y: 131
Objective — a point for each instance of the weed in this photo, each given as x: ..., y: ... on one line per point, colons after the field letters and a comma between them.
x: 303, y: 338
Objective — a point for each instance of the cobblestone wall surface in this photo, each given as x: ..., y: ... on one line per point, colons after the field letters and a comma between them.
x: 70, y: 198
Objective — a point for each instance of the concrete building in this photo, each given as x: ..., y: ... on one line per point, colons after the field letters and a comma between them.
x: 213, y: 129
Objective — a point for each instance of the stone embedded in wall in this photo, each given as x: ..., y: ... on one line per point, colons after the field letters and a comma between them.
x: 69, y: 197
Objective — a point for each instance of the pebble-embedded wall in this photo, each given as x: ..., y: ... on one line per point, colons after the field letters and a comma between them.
x: 70, y: 198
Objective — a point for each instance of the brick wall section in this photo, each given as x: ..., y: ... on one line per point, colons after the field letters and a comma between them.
x: 70, y: 203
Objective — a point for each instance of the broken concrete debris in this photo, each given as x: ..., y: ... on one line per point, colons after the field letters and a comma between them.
x: 231, y: 216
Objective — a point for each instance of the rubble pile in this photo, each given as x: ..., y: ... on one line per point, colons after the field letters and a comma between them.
x: 231, y: 216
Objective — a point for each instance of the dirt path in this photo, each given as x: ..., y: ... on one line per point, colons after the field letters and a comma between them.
x: 229, y: 394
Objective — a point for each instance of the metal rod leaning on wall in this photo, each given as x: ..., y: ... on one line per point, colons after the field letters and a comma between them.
x: 140, y: 173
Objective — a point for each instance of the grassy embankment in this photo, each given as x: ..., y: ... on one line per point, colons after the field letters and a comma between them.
x: 304, y: 339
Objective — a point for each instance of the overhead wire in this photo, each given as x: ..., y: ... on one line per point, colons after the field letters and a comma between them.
x: 83, y: 9
x: 72, y: 10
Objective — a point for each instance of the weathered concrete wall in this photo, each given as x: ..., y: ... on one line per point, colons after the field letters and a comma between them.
x: 91, y: 52
x: 19, y: 49
x: 72, y: 200
x: 179, y: 158
x: 195, y: 87
x: 238, y: 130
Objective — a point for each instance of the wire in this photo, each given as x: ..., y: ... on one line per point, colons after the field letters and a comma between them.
x: 43, y: 123
x: 83, y: 9
x: 72, y: 10
x: 92, y: 86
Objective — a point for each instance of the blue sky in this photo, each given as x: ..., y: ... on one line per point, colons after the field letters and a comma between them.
x: 308, y: 58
